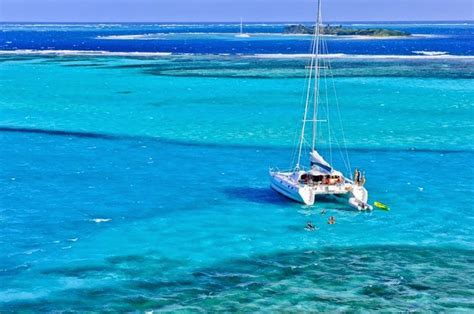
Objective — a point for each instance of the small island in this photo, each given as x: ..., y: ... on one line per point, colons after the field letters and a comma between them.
x: 340, y: 30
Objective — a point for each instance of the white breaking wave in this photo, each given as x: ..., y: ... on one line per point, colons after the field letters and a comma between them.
x: 430, y: 53
x: 33, y: 26
x: 354, y: 56
x: 99, y: 220
x: 153, y: 36
x: 424, y: 55
x: 159, y: 36
x: 369, y: 37
x: 291, y: 55
x: 408, y: 24
x: 133, y: 37
x: 83, y: 53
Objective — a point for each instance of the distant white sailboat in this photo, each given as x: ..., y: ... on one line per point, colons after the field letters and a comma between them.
x: 320, y: 179
x: 242, y: 34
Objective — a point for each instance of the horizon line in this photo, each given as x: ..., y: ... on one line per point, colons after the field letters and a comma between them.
x: 238, y: 21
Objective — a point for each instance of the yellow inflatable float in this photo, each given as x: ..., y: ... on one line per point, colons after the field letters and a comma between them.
x: 381, y: 206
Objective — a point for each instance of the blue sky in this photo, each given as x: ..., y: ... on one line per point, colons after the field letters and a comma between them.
x: 232, y: 10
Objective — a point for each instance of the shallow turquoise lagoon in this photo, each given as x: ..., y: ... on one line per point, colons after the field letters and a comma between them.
x: 141, y: 183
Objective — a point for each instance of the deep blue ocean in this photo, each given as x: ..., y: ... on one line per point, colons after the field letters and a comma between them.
x: 134, y: 170
x: 452, y: 38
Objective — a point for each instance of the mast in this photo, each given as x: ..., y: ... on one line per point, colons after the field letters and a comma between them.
x: 316, y: 76
x: 313, y: 65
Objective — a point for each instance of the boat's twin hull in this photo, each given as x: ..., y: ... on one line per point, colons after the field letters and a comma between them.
x: 308, y: 195
x: 293, y: 192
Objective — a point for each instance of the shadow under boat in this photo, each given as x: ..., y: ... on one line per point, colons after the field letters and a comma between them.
x: 263, y: 195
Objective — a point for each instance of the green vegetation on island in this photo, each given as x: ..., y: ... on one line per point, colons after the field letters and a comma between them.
x: 340, y: 30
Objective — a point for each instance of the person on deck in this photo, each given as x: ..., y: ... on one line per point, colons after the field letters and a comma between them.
x: 356, y: 176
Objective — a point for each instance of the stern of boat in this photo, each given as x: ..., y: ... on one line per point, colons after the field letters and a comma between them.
x: 360, y: 193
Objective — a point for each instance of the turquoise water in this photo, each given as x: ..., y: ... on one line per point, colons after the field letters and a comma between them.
x: 141, y: 184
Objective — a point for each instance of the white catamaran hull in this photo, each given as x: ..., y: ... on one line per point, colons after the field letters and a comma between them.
x: 291, y: 190
x: 283, y: 183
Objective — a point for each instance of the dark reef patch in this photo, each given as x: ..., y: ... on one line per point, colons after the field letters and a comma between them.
x: 367, y: 278
x: 78, y: 271
x: 255, y: 68
x: 151, y: 139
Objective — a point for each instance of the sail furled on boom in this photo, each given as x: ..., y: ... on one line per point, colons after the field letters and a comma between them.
x: 318, y: 161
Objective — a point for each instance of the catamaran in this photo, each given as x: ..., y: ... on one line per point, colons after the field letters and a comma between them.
x: 320, y: 180
x: 242, y: 34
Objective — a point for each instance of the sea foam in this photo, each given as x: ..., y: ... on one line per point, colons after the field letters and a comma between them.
x: 100, y: 220
x: 359, y: 56
x: 417, y: 54
x: 430, y: 53
x: 83, y: 53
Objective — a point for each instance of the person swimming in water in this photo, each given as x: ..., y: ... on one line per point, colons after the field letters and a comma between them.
x: 331, y: 220
x: 323, y: 212
x: 310, y: 226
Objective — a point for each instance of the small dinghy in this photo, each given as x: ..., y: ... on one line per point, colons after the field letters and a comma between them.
x: 359, y: 205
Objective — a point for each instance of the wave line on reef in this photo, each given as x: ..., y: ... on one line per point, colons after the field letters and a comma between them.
x: 95, y: 53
